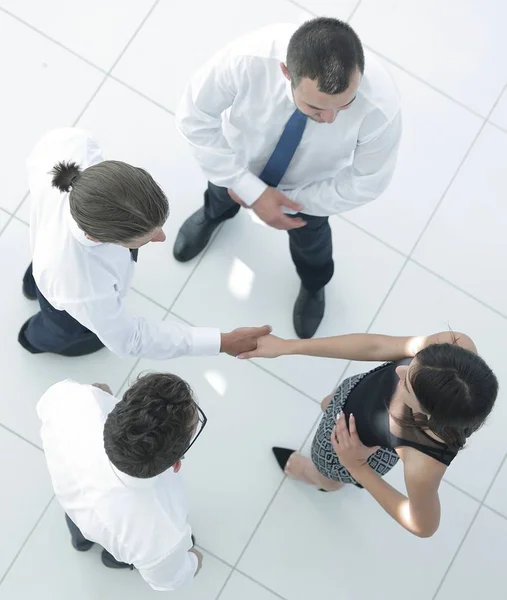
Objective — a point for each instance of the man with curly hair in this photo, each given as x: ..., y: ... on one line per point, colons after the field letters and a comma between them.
x: 114, y: 467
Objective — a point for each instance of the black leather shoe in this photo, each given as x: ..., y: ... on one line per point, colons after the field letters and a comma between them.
x: 25, y: 343
x: 308, y: 312
x: 282, y: 456
x: 110, y: 561
x: 193, y: 236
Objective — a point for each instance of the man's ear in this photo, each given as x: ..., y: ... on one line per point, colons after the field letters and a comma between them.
x: 285, y: 70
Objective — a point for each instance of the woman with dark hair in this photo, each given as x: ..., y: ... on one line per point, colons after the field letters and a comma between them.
x: 89, y: 217
x: 420, y: 406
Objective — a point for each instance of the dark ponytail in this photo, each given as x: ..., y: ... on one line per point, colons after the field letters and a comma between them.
x: 112, y: 202
x: 65, y: 175
x: 456, y: 388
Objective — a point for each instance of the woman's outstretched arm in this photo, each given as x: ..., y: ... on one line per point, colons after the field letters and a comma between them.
x: 357, y: 346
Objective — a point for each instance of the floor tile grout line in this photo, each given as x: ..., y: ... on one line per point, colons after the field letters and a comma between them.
x: 287, y: 383
x: 2, y: 209
x: 305, y: 394
x: 270, y: 503
x: 423, y: 266
x: 18, y: 435
x: 459, y: 489
x: 262, y: 517
x: 101, y: 84
x: 142, y: 94
x: 394, y: 63
x: 300, y: 6
x: 503, y: 129
x: 146, y: 297
x: 458, y: 288
x: 127, y: 378
x: 453, y: 559
x: 494, y: 479
x: 425, y: 228
x: 12, y: 215
x: 262, y: 585
x: 494, y: 511
x: 458, y: 170
x: 120, y: 56
x: 26, y: 540
x: 196, y: 266
x: 20, y: 220
x: 49, y: 38
x: 372, y: 235
x: 423, y: 81
x: 354, y: 10
x: 400, y: 272
x: 215, y: 556
x: 505, y: 456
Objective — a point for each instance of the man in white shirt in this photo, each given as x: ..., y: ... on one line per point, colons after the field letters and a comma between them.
x: 114, y: 467
x: 290, y: 120
x: 87, y: 213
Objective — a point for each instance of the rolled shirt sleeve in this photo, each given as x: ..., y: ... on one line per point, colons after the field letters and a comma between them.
x: 128, y: 335
x: 169, y: 573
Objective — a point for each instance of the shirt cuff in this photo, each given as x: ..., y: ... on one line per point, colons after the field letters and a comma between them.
x: 249, y: 187
x: 205, y: 341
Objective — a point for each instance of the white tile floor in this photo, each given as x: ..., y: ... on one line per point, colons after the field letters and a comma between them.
x: 430, y: 253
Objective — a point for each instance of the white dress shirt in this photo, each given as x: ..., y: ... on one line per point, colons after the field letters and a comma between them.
x: 236, y: 107
x: 139, y: 521
x: 87, y: 279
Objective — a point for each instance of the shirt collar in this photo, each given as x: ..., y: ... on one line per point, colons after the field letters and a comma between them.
x: 77, y: 232
x: 134, y: 482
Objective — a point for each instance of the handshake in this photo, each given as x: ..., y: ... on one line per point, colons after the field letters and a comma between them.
x: 253, y: 342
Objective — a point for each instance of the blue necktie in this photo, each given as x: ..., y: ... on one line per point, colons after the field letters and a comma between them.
x: 282, y: 155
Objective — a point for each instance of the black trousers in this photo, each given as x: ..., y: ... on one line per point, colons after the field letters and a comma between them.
x: 311, y: 246
x: 56, y: 331
x: 81, y: 543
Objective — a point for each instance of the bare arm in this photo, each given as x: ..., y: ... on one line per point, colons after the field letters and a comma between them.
x: 418, y: 513
x: 358, y: 346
